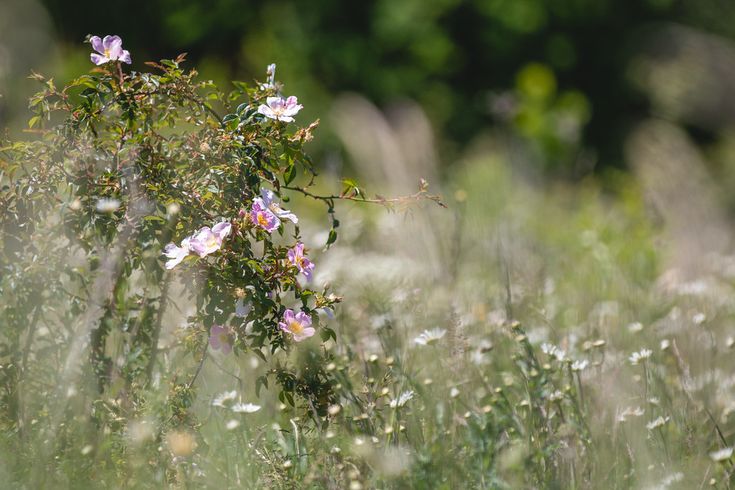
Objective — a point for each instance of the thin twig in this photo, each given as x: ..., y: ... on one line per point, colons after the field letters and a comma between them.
x: 385, y: 201
x: 199, y: 367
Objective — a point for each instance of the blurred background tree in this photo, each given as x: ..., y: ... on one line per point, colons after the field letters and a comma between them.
x: 558, y: 74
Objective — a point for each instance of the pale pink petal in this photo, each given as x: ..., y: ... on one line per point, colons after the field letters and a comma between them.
x: 97, y: 44
x: 111, y: 41
x: 222, y: 229
x: 266, y: 111
x: 305, y: 334
x: 125, y: 57
x: 98, y: 59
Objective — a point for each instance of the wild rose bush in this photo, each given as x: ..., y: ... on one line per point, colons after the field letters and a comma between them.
x: 133, y: 182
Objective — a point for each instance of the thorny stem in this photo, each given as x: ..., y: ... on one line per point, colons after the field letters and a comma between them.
x: 422, y: 194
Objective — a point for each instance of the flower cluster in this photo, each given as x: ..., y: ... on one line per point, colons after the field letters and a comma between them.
x: 265, y: 212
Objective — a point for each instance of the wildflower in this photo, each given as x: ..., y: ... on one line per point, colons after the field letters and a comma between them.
x: 176, y: 254
x: 108, y: 49
x: 580, y: 365
x: 636, y: 357
x: 280, y: 109
x: 553, y: 351
x: 296, y: 257
x: 268, y: 198
x: 635, y: 412
x: 245, y: 408
x: 402, y: 399
x: 207, y: 241
x: 721, y: 455
x: 261, y: 216
x: 430, y: 337
x: 223, y: 399
x: 106, y: 205
x: 298, y: 325
x: 657, y: 423
x: 635, y: 327
x: 555, y: 396
x: 242, y: 309
x: 220, y: 338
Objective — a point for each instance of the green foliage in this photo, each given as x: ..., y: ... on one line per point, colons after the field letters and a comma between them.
x: 122, y: 165
x: 451, y: 56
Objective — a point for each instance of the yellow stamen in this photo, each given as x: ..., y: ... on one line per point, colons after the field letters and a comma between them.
x: 262, y: 221
x: 295, y: 327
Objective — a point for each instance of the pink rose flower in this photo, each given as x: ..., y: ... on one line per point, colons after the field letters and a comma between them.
x: 298, y: 325
x: 220, y: 338
x: 296, y: 257
x: 108, y: 49
x: 280, y: 109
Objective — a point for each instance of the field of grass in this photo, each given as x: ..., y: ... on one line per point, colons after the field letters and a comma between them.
x: 525, y: 337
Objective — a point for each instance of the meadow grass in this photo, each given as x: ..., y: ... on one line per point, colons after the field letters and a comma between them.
x: 524, y: 338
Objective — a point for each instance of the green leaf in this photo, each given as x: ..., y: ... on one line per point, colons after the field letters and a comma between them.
x: 290, y: 174
x: 261, y: 381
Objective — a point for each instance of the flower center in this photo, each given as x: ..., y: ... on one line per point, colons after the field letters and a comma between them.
x: 295, y: 327
x: 211, y: 241
x: 262, y: 220
x: 224, y: 338
x: 107, y: 53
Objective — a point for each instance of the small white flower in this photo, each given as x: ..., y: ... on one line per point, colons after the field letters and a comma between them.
x: 402, y: 399
x: 553, y: 351
x: 245, y: 408
x: 657, y: 423
x: 106, y: 205
x: 580, y: 365
x: 635, y: 412
x: 223, y: 400
x: 636, y: 357
x: 232, y: 424
x: 429, y: 337
x: 699, y: 318
x: 556, y: 396
x: 635, y: 327
x: 721, y: 455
